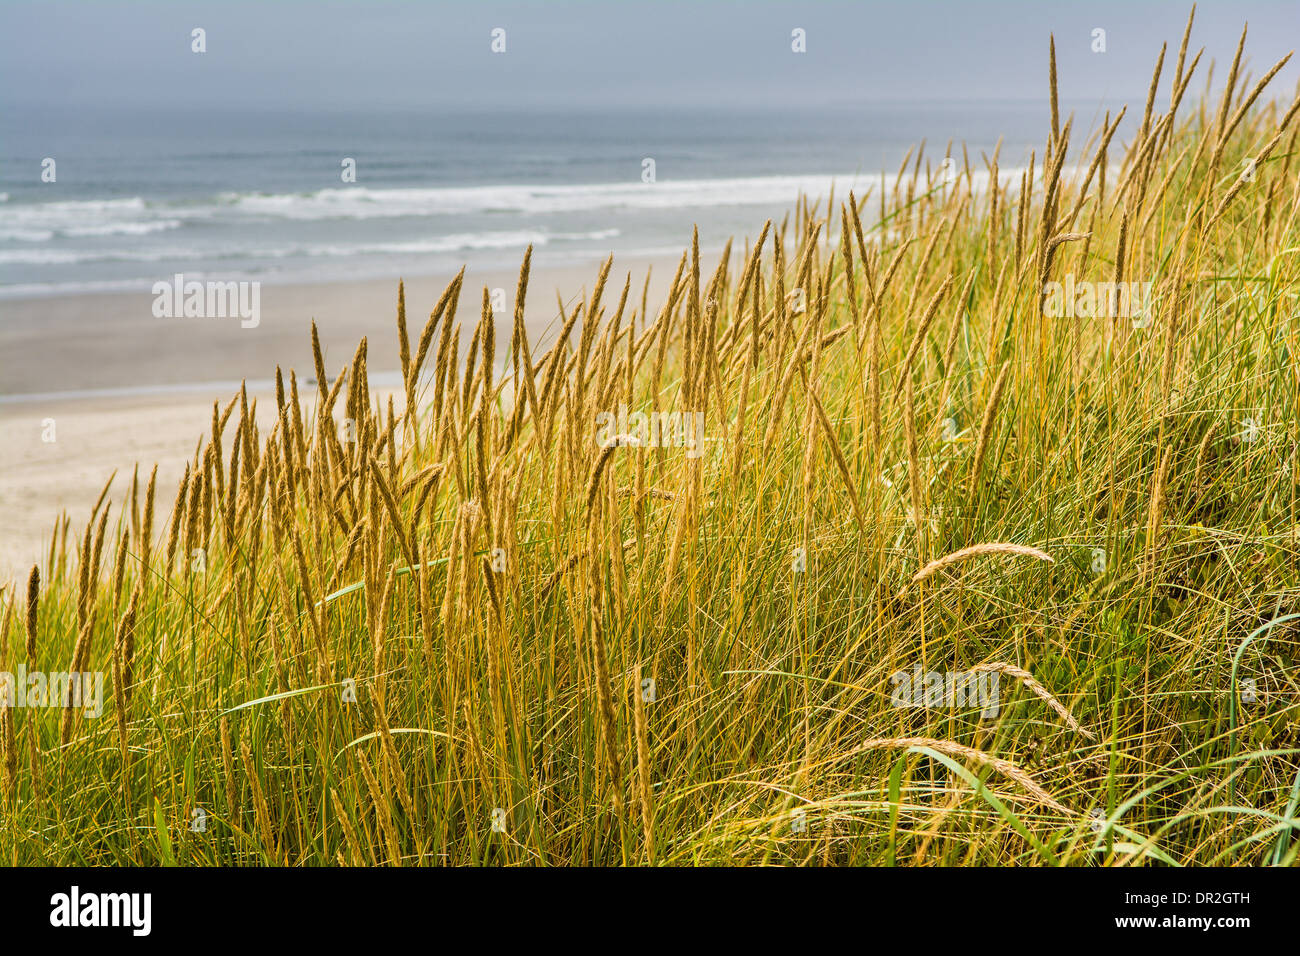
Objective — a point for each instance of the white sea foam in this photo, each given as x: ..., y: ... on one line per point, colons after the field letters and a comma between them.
x: 137, y: 216
x: 45, y: 245
x: 367, y: 203
x: 440, y: 244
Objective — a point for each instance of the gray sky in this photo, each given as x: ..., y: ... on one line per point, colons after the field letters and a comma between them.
x: 433, y: 55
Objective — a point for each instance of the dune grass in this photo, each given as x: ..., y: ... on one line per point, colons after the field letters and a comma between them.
x: 465, y: 631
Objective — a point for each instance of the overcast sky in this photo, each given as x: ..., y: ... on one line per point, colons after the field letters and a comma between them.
x: 292, y: 54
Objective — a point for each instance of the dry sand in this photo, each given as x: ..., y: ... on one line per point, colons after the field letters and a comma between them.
x: 113, y: 385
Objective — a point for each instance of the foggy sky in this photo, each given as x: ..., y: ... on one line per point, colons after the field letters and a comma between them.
x: 293, y: 54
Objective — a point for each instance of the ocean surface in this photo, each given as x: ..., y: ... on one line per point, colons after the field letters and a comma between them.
x: 247, y: 195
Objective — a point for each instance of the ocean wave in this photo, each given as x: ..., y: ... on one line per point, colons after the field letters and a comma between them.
x: 26, y: 233
x: 24, y: 290
x: 89, y: 218
x: 72, y: 210
x: 121, y: 228
x: 512, y: 239
x: 12, y: 234
x: 455, y: 243
x: 136, y: 215
x: 133, y: 216
x: 360, y: 202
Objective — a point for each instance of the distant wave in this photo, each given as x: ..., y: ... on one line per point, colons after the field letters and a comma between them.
x: 440, y: 244
x: 46, y: 221
x: 89, y: 231
x: 359, y: 202
x: 121, y: 228
x: 71, y: 212
x: 24, y: 290
x: 91, y: 219
x: 90, y: 244
x: 454, y: 243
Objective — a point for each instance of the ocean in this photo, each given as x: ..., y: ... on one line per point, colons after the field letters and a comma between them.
x: 138, y: 196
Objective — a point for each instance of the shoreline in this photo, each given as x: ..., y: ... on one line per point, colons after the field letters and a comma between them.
x: 88, y: 344
x: 142, y: 392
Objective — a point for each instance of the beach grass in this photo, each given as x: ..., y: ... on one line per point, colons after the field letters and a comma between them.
x: 506, y: 621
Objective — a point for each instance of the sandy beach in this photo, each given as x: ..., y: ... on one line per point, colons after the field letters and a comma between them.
x: 112, y: 385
